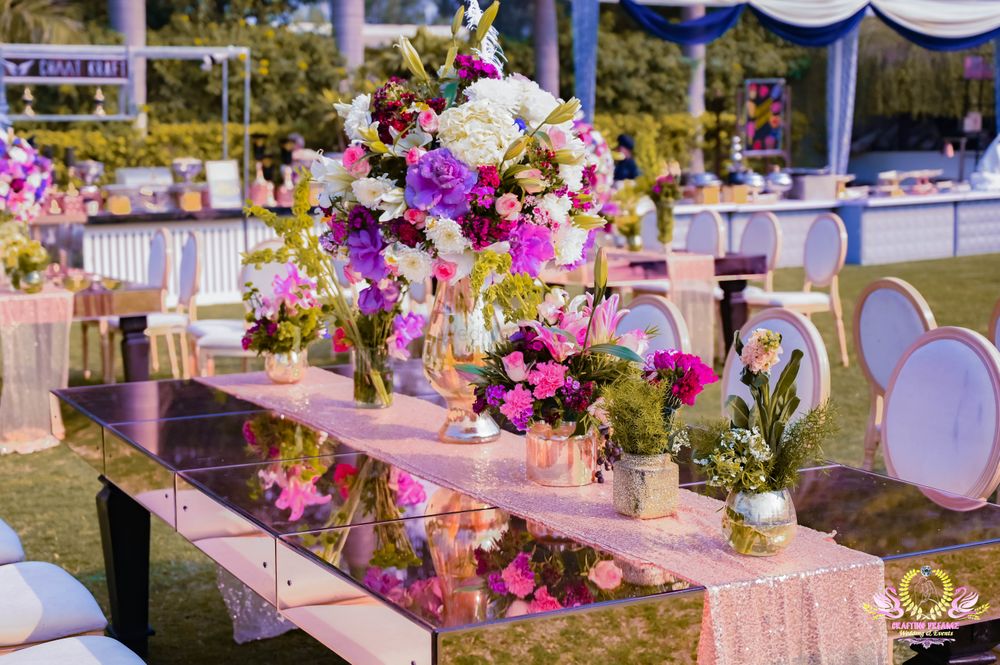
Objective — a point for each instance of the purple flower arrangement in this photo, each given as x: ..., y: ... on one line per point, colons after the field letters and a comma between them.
x: 25, y: 176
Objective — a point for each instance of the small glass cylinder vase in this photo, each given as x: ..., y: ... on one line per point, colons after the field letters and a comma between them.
x: 634, y: 243
x: 665, y: 223
x: 557, y: 458
x: 645, y: 486
x: 457, y: 526
x: 372, y: 377
x: 286, y: 367
x: 759, y: 523
x: 28, y: 282
x: 459, y: 332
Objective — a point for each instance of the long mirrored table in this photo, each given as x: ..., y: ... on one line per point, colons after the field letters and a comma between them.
x: 382, y: 566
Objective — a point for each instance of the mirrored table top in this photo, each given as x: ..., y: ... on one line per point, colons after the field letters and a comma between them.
x: 226, y: 440
x: 150, y: 400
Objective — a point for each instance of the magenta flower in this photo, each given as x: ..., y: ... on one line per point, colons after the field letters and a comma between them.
x: 685, y: 373
x: 513, y: 365
x: 374, y: 299
x: 605, y: 321
x: 547, y: 378
x: 518, y: 576
x: 530, y: 248
x: 298, y: 494
x: 518, y: 406
x: 386, y: 584
x: 409, y: 492
x: 439, y: 184
x: 543, y: 602
x: 293, y: 290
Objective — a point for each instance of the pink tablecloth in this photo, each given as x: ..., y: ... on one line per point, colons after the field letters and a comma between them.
x: 35, y: 349
x: 802, y: 606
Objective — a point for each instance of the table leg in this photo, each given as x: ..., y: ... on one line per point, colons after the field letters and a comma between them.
x: 125, y: 541
x: 733, y: 309
x: 973, y: 645
x: 135, y: 348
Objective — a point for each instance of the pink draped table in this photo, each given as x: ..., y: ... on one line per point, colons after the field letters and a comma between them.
x: 34, y: 345
x: 802, y: 606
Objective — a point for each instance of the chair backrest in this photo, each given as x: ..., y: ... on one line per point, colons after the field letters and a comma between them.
x: 762, y: 235
x: 825, y: 249
x: 706, y: 234
x: 190, y: 275
x: 890, y: 315
x: 942, y: 416
x: 158, y: 266
x: 656, y: 311
x: 263, y: 277
x: 420, y: 292
x: 797, y: 332
x: 995, y: 325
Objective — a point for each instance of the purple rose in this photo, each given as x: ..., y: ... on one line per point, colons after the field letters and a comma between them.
x: 439, y: 184
x: 365, y: 250
x: 530, y: 247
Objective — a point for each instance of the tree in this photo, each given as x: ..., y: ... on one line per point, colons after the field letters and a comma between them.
x: 35, y: 21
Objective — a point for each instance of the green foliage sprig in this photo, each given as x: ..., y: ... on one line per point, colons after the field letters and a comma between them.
x: 639, y: 424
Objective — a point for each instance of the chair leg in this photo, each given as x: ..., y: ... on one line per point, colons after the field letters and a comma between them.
x: 872, y: 431
x: 175, y: 371
x: 84, y: 329
x: 838, y: 313
x: 154, y: 353
x: 185, y: 356
x: 107, y: 351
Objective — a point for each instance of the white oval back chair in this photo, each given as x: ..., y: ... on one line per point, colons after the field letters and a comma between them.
x: 942, y: 417
x: 212, y: 338
x: 656, y: 311
x: 825, y: 251
x: 889, y: 317
x: 812, y: 384
x: 706, y: 234
x: 158, y: 275
x: 995, y: 325
x: 762, y: 235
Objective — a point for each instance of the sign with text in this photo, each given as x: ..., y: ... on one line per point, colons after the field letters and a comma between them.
x: 104, y: 70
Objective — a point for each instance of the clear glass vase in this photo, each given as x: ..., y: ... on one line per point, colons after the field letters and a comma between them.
x: 759, y: 523
x: 372, y: 377
x: 286, y: 367
x: 557, y: 458
x: 645, y: 486
x: 459, y: 332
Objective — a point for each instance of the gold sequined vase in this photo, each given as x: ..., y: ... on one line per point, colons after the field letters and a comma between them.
x: 645, y: 486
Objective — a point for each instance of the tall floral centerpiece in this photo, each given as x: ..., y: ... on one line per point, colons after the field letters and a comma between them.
x: 647, y: 432
x: 25, y: 176
x: 548, y: 379
x: 757, y: 455
x: 456, y: 173
x: 282, y: 326
x: 665, y: 191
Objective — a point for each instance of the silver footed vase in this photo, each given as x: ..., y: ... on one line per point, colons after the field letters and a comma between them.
x: 459, y: 332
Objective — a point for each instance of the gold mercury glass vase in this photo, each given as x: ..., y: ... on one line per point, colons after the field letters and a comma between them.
x: 286, y: 367
x: 459, y: 332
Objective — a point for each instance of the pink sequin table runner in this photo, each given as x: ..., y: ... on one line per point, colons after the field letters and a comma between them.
x: 802, y: 606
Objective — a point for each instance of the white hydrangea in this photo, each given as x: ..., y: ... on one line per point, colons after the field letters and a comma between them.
x: 446, y: 234
x: 568, y: 241
x: 357, y: 116
x: 478, y: 132
x: 572, y: 175
x: 370, y: 191
x: 520, y: 96
x: 555, y: 207
x: 413, y: 264
x: 505, y: 93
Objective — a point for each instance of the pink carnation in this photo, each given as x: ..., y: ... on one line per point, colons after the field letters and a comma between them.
x: 428, y: 121
x: 547, y: 378
x: 543, y: 602
x: 518, y: 576
x: 518, y: 405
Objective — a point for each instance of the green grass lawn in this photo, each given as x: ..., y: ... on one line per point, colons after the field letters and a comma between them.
x: 48, y: 497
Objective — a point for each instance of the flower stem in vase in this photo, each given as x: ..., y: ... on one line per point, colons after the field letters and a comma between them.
x: 372, y: 377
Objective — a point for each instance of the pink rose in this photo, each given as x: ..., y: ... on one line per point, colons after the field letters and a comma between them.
x: 415, y: 217
x: 508, y: 205
x: 517, y: 608
x: 355, y: 163
x: 428, y: 121
x: 513, y: 364
x: 606, y: 575
x: 413, y: 155
x: 444, y: 271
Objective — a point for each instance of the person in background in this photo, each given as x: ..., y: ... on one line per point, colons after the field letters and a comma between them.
x: 626, y: 168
